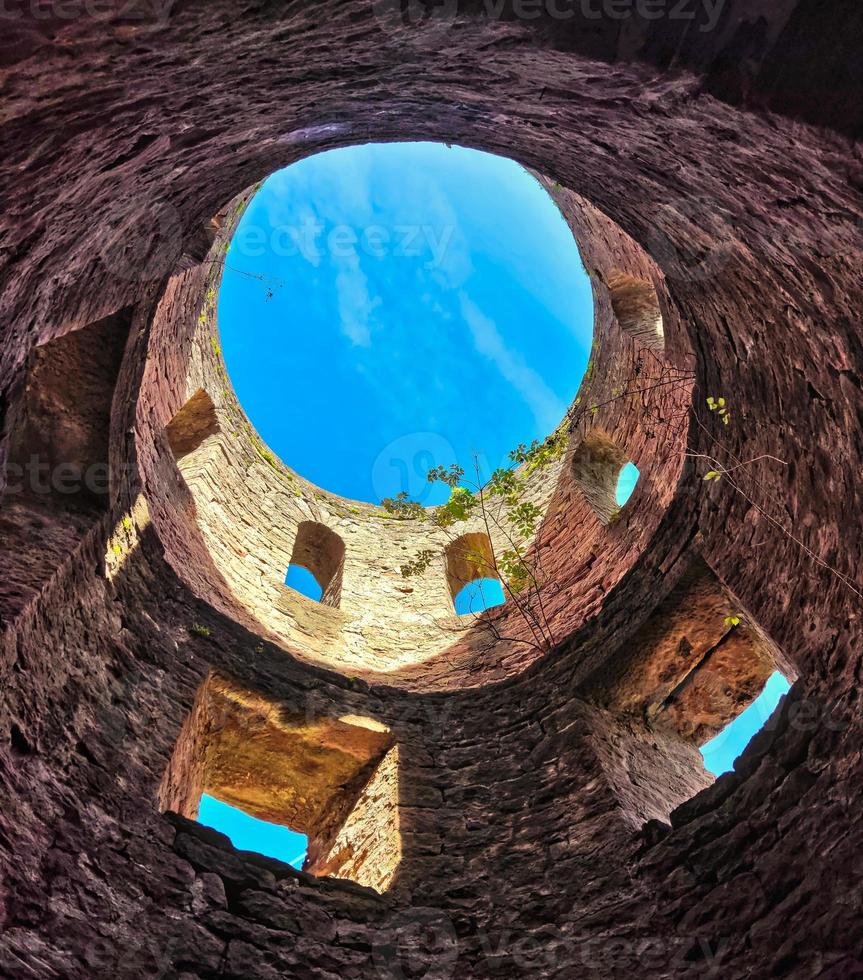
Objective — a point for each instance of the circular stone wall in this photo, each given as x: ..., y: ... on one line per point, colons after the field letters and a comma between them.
x: 241, y: 504
x: 545, y: 829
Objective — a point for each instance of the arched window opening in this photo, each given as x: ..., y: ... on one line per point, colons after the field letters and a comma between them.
x: 723, y: 749
x: 481, y: 594
x: 470, y: 566
x: 301, y: 580
x: 321, y: 553
x: 636, y: 307
x: 195, y: 422
x: 604, y: 474
x: 277, y: 782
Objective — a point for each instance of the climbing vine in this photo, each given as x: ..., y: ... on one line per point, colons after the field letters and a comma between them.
x: 499, y: 503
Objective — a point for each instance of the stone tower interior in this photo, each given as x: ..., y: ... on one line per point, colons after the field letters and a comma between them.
x: 475, y: 807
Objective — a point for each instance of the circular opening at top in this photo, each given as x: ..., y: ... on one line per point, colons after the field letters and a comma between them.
x: 389, y: 308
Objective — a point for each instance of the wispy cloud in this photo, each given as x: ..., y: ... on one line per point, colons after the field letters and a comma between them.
x: 355, y: 301
x: 546, y: 407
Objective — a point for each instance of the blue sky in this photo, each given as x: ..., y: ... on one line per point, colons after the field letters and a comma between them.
x: 419, y: 303
x: 301, y: 580
x: 626, y: 483
x: 721, y: 751
x: 250, y: 834
x: 483, y: 593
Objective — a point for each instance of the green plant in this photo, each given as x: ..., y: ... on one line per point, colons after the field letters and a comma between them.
x: 268, y: 456
x: 718, y: 405
x: 197, y: 630
x: 403, y: 508
x: 500, y: 502
x: 419, y: 564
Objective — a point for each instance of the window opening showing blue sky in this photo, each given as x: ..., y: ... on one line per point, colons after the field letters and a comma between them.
x: 626, y: 483
x: 388, y: 308
x: 247, y: 833
x: 482, y: 593
x: 721, y: 751
x: 301, y: 580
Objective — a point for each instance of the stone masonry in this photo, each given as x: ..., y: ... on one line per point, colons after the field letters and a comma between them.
x: 477, y: 808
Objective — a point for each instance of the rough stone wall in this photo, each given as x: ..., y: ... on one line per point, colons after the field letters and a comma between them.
x: 728, y: 155
x: 55, y: 483
x: 248, y: 505
x: 366, y: 848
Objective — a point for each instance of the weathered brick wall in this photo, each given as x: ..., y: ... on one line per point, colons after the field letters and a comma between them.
x: 521, y: 855
x: 248, y: 504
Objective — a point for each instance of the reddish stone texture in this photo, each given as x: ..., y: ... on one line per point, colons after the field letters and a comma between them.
x: 536, y: 839
x: 235, y: 500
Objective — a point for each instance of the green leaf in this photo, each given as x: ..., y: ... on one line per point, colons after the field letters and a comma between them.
x: 524, y: 517
x: 419, y: 564
x: 403, y: 508
x: 448, y: 475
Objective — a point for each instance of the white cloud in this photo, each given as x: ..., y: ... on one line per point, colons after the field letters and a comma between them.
x: 546, y: 407
x: 355, y: 302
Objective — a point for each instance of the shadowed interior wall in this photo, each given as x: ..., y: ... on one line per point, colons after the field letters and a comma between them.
x: 57, y: 470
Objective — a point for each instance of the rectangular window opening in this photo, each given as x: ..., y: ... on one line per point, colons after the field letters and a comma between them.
x: 248, y: 833
x: 723, y: 749
x: 686, y: 694
x: 320, y: 791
